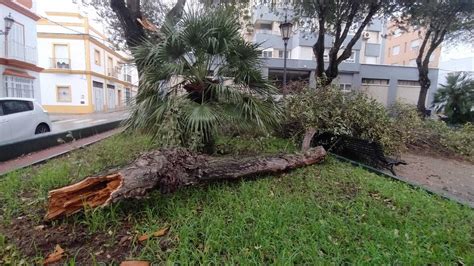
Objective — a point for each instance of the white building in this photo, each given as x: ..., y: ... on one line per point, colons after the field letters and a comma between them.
x: 19, y: 73
x: 456, y: 59
x: 82, y: 73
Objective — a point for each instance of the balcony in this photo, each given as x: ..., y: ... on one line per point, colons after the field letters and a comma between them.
x: 112, y: 72
x: 21, y: 52
x: 127, y: 77
x: 60, y: 63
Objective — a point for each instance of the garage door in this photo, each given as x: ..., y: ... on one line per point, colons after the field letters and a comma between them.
x: 111, y: 96
x: 98, y: 88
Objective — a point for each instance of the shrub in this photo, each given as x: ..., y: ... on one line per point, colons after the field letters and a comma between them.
x: 461, y: 140
x: 406, y: 122
x: 330, y: 110
x: 431, y: 134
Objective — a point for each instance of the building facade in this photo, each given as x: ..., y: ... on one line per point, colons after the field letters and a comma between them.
x: 402, y: 47
x: 365, y: 70
x: 19, y: 71
x: 82, y: 74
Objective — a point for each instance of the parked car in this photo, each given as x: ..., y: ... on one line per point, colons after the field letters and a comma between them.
x: 22, y: 119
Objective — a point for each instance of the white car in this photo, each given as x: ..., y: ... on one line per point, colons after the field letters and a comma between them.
x: 21, y: 119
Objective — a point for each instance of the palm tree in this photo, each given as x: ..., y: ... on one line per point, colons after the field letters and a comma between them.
x: 456, y: 98
x: 200, y: 77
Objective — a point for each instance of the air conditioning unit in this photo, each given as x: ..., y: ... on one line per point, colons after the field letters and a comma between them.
x: 365, y: 34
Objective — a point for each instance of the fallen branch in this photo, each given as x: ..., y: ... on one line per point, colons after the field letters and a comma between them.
x: 167, y: 170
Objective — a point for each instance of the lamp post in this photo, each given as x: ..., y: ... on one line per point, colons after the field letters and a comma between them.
x: 8, y: 24
x: 285, y: 30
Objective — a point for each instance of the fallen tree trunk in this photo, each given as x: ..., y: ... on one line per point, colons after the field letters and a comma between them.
x: 167, y: 170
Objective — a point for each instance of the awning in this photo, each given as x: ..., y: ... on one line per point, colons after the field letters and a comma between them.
x: 17, y: 73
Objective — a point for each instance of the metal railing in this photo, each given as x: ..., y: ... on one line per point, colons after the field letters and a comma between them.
x: 60, y: 63
x: 112, y: 72
x: 21, y: 52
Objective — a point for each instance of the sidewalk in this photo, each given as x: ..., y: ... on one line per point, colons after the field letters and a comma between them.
x: 40, y: 156
x: 58, y: 117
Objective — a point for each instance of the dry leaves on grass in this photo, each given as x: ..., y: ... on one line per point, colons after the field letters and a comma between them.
x: 56, y: 256
x: 158, y: 233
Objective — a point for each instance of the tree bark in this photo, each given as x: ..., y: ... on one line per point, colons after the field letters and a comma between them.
x: 128, y: 16
x: 308, y: 137
x: 167, y: 170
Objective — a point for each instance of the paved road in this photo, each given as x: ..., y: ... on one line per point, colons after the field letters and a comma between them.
x: 69, y: 122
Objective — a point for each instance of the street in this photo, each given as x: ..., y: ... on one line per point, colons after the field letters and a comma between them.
x: 69, y: 122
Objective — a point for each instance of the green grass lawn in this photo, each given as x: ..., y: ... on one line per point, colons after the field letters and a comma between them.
x: 327, y: 213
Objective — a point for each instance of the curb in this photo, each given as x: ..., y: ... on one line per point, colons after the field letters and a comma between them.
x: 16, y: 149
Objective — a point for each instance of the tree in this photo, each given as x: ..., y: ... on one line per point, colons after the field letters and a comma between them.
x: 439, y: 21
x: 341, y: 20
x: 201, y: 76
x: 129, y: 22
x: 456, y: 98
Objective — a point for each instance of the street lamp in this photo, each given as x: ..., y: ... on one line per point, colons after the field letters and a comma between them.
x: 285, y: 30
x: 8, y: 24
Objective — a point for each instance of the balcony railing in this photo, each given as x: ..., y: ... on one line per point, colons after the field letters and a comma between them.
x: 112, y: 72
x: 127, y: 77
x: 21, y: 52
x: 60, y: 63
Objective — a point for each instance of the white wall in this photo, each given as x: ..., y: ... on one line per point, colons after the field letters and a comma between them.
x: 96, y: 68
x: 76, y: 47
x: 377, y: 92
x: 29, y: 28
x: 78, y: 84
x: 408, y: 94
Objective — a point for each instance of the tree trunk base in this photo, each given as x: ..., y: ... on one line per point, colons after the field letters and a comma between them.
x: 167, y: 170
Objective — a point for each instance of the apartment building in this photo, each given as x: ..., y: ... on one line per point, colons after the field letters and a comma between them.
x: 19, y: 71
x: 402, y: 47
x: 365, y: 70
x: 82, y: 73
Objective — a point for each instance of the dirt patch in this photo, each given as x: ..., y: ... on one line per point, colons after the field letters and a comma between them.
x: 33, y: 239
x: 448, y: 176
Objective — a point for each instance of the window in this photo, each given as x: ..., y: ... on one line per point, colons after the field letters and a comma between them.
x: 351, y: 59
x: 264, y: 28
x: 19, y: 87
x: 375, y: 81
x: 15, y: 106
x: 408, y: 83
x: 110, y: 67
x: 414, y: 45
x: 267, y: 54
x: 97, y: 60
x: 128, y: 96
x: 16, y: 42
x: 61, y: 56
x: 371, y: 59
x: 64, y: 94
x: 281, y: 54
x: 345, y: 87
x: 396, y: 50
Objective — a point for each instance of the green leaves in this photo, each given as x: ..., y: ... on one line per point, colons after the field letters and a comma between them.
x: 201, y: 76
x: 456, y: 98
